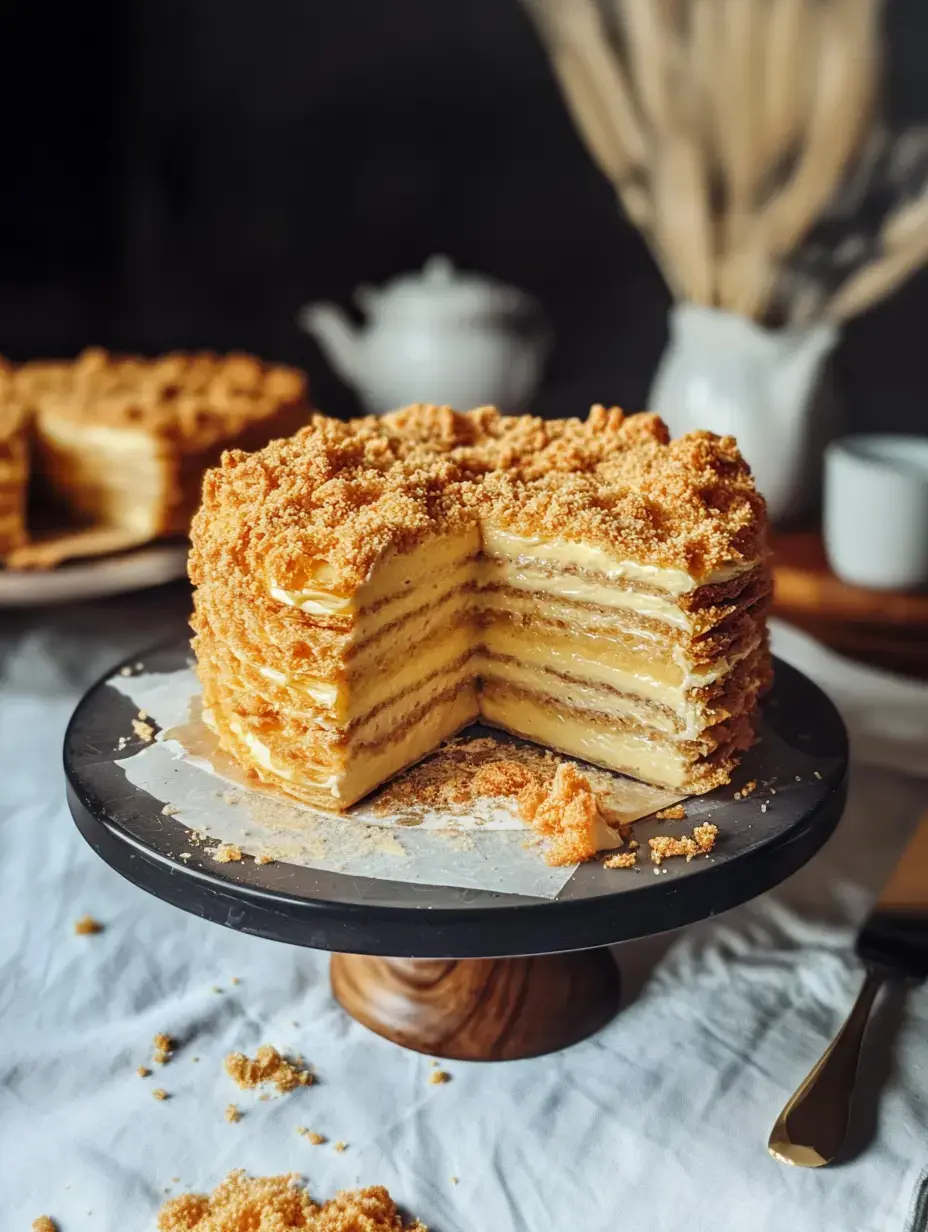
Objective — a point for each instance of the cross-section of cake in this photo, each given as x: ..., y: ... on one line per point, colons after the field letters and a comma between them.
x: 123, y: 442
x: 365, y: 590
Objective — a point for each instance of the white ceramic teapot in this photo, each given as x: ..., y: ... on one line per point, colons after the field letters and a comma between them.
x: 441, y: 336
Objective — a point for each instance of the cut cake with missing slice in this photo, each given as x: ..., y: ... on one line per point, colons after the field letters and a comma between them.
x: 366, y: 589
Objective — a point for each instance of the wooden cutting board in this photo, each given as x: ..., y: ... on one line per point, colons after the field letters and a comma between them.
x: 884, y: 628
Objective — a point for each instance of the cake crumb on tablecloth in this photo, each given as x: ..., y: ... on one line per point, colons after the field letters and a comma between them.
x: 143, y: 1071
x: 160, y: 1094
x: 163, y: 1048
x: 249, y: 1204
x: 268, y: 1066
x: 87, y: 926
x: 340, y: 1146
x: 439, y: 1076
x: 44, y: 1223
x: 310, y: 1135
x: 233, y: 1114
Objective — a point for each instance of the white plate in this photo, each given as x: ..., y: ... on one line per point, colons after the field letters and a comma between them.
x: 93, y: 579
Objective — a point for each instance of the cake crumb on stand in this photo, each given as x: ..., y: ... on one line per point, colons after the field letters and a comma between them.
x: 702, y: 841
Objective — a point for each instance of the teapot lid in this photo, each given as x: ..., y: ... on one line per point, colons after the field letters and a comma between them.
x: 441, y: 290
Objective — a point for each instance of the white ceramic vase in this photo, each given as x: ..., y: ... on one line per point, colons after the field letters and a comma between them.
x: 769, y: 389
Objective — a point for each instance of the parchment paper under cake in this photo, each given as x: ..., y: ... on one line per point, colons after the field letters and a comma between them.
x: 413, y: 830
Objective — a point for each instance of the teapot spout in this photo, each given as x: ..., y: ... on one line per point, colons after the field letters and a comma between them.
x: 337, y: 335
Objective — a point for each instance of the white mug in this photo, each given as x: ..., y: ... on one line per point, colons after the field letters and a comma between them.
x: 876, y: 510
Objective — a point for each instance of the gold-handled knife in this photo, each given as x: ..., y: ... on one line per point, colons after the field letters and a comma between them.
x: 893, y: 944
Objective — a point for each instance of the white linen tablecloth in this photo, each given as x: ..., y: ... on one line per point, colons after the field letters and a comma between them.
x: 659, y: 1122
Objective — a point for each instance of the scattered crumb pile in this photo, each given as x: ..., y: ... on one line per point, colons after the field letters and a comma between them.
x: 268, y: 1066
x: 163, y: 1048
x: 86, y: 926
x: 746, y: 790
x: 676, y: 812
x: 701, y: 843
x: 227, y: 853
x: 621, y: 859
x: 44, y: 1223
x: 279, y: 1203
x: 463, y: 771
x: 567, y: 812
x: 552, y: 796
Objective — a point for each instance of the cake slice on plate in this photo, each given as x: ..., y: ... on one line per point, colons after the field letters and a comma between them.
x: 14, y: 465
x: 367, y: 589
x: 123, y: 442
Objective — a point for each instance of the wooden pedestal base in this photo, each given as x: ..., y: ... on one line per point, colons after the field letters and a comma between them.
x: 480, y: 1009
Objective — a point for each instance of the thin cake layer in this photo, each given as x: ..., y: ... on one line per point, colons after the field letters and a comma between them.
x: 366, y: 584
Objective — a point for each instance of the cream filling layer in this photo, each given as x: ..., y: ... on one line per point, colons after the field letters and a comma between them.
x: 590, y: 559
x: 594, y: 660
x: 581, y: 695
x: 617, y: 750
x: 358, y: 776
x: 318, y: 592
x: 577, y: 588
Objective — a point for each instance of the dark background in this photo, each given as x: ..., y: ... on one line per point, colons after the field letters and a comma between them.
x: 186, y: 173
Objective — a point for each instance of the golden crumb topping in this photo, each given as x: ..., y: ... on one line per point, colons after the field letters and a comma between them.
x: 268, y: 1066
x: 194, y: 398
x: 338, y: 496
x: 280, y: 1203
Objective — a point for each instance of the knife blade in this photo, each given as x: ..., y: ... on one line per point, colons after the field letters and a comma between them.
x: 893, y: 944
x: 895, y: 935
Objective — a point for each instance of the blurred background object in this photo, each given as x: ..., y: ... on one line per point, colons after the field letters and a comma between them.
x: 441, y: 337
x: 748, y: 143
x: 201, y: 170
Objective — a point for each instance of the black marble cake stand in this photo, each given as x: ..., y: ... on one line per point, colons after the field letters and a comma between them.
x: 466, y: 973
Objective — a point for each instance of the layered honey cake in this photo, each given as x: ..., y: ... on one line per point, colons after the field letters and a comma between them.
x: 123, y: 442
x: 14, y: 465
x: 366, y: 589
